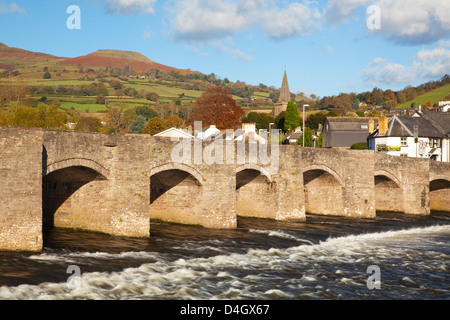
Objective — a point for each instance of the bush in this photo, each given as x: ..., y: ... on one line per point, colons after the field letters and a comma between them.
x: 360, y: 146
x: 47, y: 75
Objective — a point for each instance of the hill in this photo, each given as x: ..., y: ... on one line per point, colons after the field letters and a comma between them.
x: 125, y: 77
x: 117, y: 59
x: 14, y: 57
x: 433, y: 96
x: 6, y: 51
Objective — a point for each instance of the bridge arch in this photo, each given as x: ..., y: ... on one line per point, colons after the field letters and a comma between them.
x: 389, y: 195
x: 313, y: 172
x: 254, y: 194
x: 438, y: 182
x: 386, y: 179
x: 261, y: 171
x: 77, y: 162
x: 72, y: 193
x: 323, y: 190
x: 439, y: 192
x: 180, y: 167
x: 175, y: 191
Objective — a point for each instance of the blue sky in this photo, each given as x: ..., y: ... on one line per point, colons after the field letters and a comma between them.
x: 327, y: 47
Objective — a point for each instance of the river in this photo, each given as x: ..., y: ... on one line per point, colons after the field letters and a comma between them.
x: 322, y: 258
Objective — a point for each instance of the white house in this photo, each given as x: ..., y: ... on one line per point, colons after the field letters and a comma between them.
x: 248, y: 133
x: 208, y: 133
x: 397, y: 136
x: 444, y: 106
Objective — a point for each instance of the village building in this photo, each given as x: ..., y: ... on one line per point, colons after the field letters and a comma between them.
x: 247, y: 133
x: 344, y: 132
x: 285, y: 96
x: 175, y: 133
x: 424, y: 135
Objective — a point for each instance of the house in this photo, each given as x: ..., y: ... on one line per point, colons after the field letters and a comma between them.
x: 175, y: 133
x: 424, y: 135
x: 444, y: 106
x: 208, y: 133
x: 293, y: 137
x: 344, y: 132
x: 247, y: 133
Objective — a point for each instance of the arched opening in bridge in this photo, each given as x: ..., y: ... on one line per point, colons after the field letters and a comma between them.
x: 440, y: 194
x: 388, y: 193
x: 254, y: 194
x: 175, y: 196
x: 323, y: 192
x: 71, y: 197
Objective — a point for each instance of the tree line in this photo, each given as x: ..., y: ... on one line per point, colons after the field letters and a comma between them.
x: 388, y: 99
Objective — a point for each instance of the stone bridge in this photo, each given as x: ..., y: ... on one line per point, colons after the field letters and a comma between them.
x: 117, y: 184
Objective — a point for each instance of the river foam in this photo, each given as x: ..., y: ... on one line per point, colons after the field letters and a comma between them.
x: 410, y: 260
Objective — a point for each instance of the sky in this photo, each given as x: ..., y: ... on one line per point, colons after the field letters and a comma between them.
x: 326, y: 47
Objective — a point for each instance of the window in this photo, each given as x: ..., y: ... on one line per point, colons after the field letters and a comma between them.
x: 436, y: 143
x: 404, y: 142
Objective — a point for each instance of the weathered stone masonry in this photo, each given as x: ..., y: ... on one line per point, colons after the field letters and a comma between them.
x: 118, y: 184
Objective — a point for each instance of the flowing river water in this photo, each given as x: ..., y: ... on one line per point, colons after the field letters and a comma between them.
x: 322, y: 258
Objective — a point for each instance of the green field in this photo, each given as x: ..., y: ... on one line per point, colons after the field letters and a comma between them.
x: 59, y: 83
x: 83, y: 107
x: 434, y: 96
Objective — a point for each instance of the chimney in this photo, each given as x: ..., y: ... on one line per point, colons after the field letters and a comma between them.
x: 371, y: 126
x: 382, y: 125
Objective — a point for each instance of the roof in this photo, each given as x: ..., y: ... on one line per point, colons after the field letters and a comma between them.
x: 295, y: 135
x: 173, y: 133
x: 430, y: 125
x: 404, y: 127
x: 440, y: 120
x: 349, y: 124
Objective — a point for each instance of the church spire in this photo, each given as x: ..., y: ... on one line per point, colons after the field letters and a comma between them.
x: 285, y: 94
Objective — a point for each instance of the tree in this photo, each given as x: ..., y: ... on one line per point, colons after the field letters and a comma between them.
x: 314, y: 120
x: 319, y: 140
x: 308, y: 138
x: 118, y: 118
x: 292, y: 118
x: 151, y: 96
x: 47, y: 75
x: 174, y: 121
x: 100, y: 99
x: 262, y: 120
x: 138, y: 124
x: 154, y: 126
x: 146, y: 112
x: 88, y: 124
x: 279, y: 121
x: 217, y: 107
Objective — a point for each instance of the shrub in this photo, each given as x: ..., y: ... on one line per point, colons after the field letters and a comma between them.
x: 360, y: 146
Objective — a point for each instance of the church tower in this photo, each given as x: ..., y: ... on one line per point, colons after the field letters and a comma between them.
x: 285, y: 96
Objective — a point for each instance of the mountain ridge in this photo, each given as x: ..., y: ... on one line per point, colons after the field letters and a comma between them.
x: 100, y: 58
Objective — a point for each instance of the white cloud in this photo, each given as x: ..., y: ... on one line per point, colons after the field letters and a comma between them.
x: 204, y: 20
x: 220, y: 46
x: 426, y: 65
x: 402, y: 21
x: 130, y: 6
x: 281, y: 23
x: 339, y: 11
x: 11, y: 8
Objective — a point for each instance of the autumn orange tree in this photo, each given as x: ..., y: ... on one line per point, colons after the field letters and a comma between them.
x: 217, y: 107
